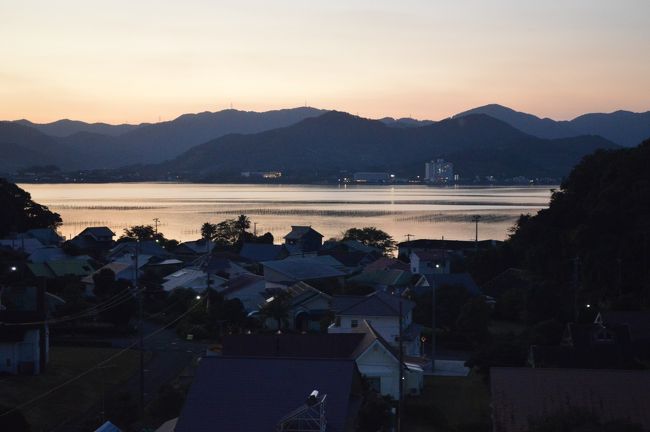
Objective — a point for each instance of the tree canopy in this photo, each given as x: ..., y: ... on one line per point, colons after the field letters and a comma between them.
x: 18, y: 213
x: 595, y: 235
x: 372, y: 236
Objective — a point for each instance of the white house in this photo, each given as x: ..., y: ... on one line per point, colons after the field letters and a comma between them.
x: 430, y: 262
x: 382, y: 311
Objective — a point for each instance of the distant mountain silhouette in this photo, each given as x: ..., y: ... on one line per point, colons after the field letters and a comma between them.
x: 64, y: 128
x: 490, y: 140
x: 147, y: 143
x: 621, y: 127
x: 476, y: 144
x: 405, y: 122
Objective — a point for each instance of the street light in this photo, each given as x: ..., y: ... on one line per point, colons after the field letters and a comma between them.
x: 13, y: 268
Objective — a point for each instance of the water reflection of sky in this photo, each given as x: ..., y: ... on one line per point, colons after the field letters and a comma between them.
x: 182, y: 208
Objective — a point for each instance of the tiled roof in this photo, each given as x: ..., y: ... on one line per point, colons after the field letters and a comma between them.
x: 637, y: 321
x: 240, y: 394
x: 98, y: 232
x: 383, y: 277
x: 298, y: 232
x: 385, y: 263
x: 261, y: 251
x: 240, y: 282
x: 520, y: 395
x: 464, y: 280
x: 303, y: 269
x: 376, y: 304
x: 312, y: 345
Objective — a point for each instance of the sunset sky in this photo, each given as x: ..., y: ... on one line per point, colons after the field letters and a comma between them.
x: 135, y: 61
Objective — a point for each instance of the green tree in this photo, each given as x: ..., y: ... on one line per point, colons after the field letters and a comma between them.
x: 18, y: 213
x: 208, y: 231
x: 474, y: 319
x: 278, y: 309
x: 371, y: 236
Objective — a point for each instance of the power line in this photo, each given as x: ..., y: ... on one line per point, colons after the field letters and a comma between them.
x: 102, y: 363
x: 108, y: 304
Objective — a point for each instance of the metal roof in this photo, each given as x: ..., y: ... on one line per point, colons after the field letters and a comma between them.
x: 242, y: 394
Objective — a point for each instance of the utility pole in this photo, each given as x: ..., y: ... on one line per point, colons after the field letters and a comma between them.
x: 576, y: 269
x: 433, y: 328
x: 156, y: 221
x: 475, y: 219
x: 140, y: 330
x: 400, y: 405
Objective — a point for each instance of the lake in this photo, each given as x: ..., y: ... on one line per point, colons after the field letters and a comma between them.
x: 422, y: 211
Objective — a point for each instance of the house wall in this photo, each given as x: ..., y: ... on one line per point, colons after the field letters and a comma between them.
x: 419, y: 266
x: 27, y: 351
x: 377, y: 362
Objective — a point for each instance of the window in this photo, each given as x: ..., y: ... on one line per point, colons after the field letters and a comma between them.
x: 374, y: 383
x: 354, y: 323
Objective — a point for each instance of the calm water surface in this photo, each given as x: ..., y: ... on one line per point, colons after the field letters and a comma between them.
x: 424, y: 212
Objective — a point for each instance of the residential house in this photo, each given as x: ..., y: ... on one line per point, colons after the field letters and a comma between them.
x: 390, y: 280
x: 25, y: 245
x: 47, y: 253
x: 522, y: 397
x: 303, y: 239
x: 194, y: 278
x: 309, y: 306
x: 605, y: 344
x: 47, y: 236
x: 289, y: 271
x: 92, y: 240
x: 69, y: 267
x: 244, y: 394
x: 248, y: 288
x: 121, y: 270
x: 382, y: 311
x: 24, y: 337
x: 463, y: 281
x: 386, y: 263
x: 430, y: 262
x: 145, y: 250
x: 191, y: 249
x: 377, y: 360
x: 260, y: 252
x: 460, y: 246
x: 638, y: 323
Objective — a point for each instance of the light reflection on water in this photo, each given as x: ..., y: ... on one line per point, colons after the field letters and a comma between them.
x: 425, y: 212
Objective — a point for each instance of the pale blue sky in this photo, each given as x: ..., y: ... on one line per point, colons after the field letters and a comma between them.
x: 136, y: 61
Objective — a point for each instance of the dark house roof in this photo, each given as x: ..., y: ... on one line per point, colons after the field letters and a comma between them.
x: 521, y: 395
x: 302, y: 269
x: 638, y: 322
x: 378, y: 303
x: 240, y: 282
x: 145, y: 247
x: 464, y: 280
x: 298, y: 232
x: 312, y: 345
x: 253, y: 394
x: 97, y: 232
x: 259, y: 252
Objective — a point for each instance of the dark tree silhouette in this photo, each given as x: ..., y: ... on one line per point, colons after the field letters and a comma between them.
x: 18, y: 213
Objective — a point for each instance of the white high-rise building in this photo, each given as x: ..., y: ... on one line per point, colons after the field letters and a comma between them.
x: 439, y: 171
